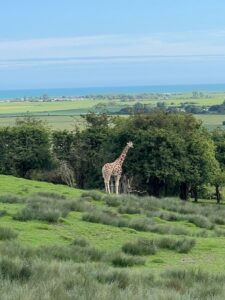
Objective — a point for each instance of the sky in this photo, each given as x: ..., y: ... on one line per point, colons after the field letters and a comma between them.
x: 88, y: 43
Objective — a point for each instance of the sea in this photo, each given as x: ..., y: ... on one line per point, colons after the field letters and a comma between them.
x: 87, y: 91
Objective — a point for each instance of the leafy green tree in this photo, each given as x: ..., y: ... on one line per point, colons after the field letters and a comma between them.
x: 218, y: 136
x: 25, y: 147
x: 172, y: 152
x: 84, y: 150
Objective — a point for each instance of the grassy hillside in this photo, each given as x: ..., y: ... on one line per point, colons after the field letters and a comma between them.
x: 108, y: 237
x: 112, y: 245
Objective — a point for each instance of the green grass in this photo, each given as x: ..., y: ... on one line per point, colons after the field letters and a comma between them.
x: 65, y: 114
x: 109, y: 237
x: 67, y: 256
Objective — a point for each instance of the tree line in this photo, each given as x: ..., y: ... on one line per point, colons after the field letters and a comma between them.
x: 173, y: 153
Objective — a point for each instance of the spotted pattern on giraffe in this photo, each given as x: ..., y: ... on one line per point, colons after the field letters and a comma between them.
x: 115, y: 169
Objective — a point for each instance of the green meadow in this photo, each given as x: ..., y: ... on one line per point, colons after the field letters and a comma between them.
x: 65, y: 114
x: 58, y: 242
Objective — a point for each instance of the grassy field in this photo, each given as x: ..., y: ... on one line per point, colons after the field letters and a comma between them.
x: 69, y: 122
x: 107, y: 237
x: 211, y: 121
x: 58, y: 242
x: 65, y: 114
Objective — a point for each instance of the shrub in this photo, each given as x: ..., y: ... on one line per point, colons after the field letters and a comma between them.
x: 112, y: 200
x: 142, y: 246
x: 143, y: 224
x: 199, y: 221
x: 121, y: 260
x: 49, y: 209
x: 219, y: 232
x: 7, y: 233
x: 73, y: 252
x: 51, y: 195
x: 80, y: 241
x: 185, y: 245
x: 121, y: 278
x: 105, y: 218
x: 15, y: 269
x: 129, y: 210
x: 179, y: 230
x: 170, y: 216
x: 11, y: 199
x: 95, y: 195
x: 3, y: 212
x: 14, y: 249
x: 201, y: 233
x: 181, y: 246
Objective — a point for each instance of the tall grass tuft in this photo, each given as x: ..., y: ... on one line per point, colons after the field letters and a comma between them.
x: 142, y: 246
x: 181, y: 246
x: 122, y: 260
x: 7, y: 233
x: 11, y: 199
x: 95, y: 195
x: 49, y: 209
x: 15, y: 269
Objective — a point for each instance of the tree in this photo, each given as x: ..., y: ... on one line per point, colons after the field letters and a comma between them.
x: 218, y: 136
x: 84, y: 150
x: 172, y: 152
x: 25, y: 147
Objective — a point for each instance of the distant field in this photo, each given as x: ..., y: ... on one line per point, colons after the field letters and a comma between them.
x: 211, y: 121
x: 66, y: 114
x: 69, y: 122
x: 85, y: 104
x: 54, y: 122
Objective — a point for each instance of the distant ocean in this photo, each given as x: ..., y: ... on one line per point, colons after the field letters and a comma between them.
x: 57, y: 92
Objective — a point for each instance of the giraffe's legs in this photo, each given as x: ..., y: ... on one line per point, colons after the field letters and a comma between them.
x: 117, y: 180
x: 107, y: 181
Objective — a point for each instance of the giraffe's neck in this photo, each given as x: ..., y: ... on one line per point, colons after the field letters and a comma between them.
x: 123, y: 155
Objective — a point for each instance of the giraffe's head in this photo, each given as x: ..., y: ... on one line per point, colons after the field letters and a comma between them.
x: 130, y: 144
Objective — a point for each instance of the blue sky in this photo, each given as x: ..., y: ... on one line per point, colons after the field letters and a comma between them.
x: 86, y: 43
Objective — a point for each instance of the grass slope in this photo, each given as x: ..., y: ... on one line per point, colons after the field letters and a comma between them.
x: 111, y: 237
x: 107, y: 247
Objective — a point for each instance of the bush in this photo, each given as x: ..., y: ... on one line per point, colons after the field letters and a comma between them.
x: 105, y: 218
x: 95, y: 195
x: 73, y: 252
x: 3, y: 212
x: 11, y: 199
x: 121, y: 260
x: 185, y: 245
x: 181, y: 246
x: 14, y: 249
x: 7, y: 233
x: 143, y: 224
x: 199, y: 221
x: 49, y: 208
x: 80, y: 241
x: 15, y: 269
x: 112, y: 200
x: 119, y: 277
x: 129, y: 210
x: 170, y: 216
x: 201, y: 233
x: 142, y: 246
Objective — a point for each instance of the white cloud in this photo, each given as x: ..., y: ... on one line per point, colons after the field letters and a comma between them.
x: 95, y: 49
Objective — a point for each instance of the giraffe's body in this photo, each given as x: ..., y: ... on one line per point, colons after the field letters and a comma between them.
x: 115, y: 169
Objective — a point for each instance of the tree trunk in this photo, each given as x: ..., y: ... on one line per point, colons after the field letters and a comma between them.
x: 195, y: 193
x: 156, y: 187
x: 218, y: 196
x: 184, y: 189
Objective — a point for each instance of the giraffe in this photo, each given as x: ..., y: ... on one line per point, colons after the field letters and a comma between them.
x: 115, y: 169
